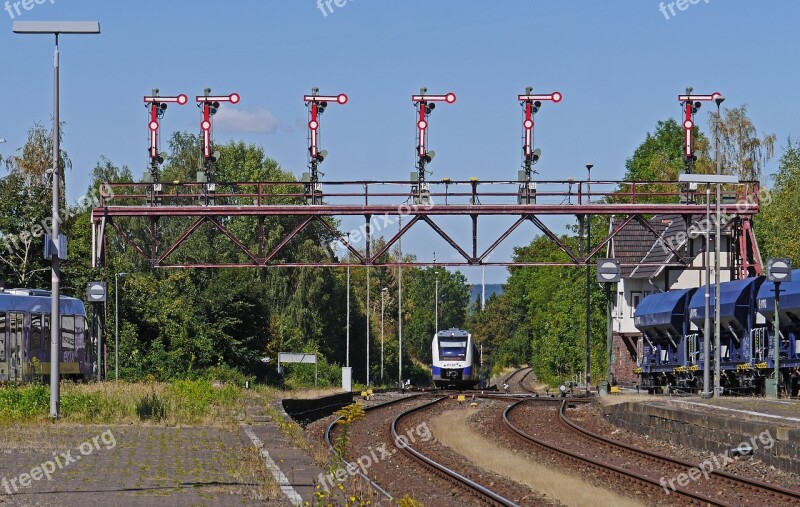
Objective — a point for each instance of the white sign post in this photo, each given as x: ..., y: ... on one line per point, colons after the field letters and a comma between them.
x: 299, y: 357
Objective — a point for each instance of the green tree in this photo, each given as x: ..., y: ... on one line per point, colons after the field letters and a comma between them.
x: 778, y: 222
x: 743, y: 153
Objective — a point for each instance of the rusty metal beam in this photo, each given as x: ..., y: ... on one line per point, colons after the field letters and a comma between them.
x: 188, y: 232
x: 452, y: 209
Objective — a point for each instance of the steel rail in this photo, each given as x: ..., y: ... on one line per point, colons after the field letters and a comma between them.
x: 349, y: 466
x: 599, y: 465
x: 726, y: 476
x: 471, y: 485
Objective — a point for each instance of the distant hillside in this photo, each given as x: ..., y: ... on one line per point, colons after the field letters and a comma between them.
x: 475, y: 292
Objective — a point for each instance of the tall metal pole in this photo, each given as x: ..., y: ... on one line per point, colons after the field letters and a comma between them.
x: 483, y: 288
x: 436, y: 306
x: 116, y: 324
x: 717, y: 238
x: 55, y: 307
x: 609, y: 331
x: 588, y: 288
x: 347, y: 325
x: 777, y: 339
x: 368, y: 325
x: 707, y: 320
x: 400, y: 307
x: 383, y: 293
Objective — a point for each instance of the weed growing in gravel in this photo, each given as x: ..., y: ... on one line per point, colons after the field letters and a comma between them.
x: 349, y: 415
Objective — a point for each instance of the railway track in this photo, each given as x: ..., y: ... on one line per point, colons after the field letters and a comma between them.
x: 478, y: 490
x: 648, y: 468
x: 355, y: 471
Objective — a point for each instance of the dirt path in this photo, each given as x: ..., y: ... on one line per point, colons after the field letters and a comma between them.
x: 452, y: 430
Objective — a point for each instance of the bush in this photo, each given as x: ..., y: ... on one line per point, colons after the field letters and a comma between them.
x: 24, y: 402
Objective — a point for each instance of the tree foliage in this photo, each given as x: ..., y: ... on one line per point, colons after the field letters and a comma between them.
x: 743, y: 153
x: 777, y: 224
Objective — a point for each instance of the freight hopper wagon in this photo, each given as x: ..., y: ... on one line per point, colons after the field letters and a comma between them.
x: 764, y: 334
x: 738, y: 353
x: 668, y: 352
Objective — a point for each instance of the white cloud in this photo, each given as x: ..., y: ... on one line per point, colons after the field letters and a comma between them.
x: 231, y: 119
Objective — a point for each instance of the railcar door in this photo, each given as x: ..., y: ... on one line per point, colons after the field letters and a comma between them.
x: 3, y: 356
x: 16, y: 345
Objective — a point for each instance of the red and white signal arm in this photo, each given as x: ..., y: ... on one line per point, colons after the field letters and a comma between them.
x: 154, y: 103
x: 205, y: 125
x: 688, y: 119
x: 422, y: 123
x: 528, y: 122
x: 313, y: 102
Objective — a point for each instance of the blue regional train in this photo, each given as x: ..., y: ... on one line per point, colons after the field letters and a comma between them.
x: 670, y: 352
x: 455, y: 359
x: 25, y: 336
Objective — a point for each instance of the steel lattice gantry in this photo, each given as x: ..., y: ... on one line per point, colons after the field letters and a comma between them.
x: 216, y: 204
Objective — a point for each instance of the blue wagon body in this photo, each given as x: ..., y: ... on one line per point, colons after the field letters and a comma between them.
x: 25, y: 336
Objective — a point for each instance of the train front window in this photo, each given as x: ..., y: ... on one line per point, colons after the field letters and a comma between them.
x: 452, y: 349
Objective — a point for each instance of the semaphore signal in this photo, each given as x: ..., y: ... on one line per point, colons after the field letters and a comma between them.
x: 316, y: 106
x: 425, y: 105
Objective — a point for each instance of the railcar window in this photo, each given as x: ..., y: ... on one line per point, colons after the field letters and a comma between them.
x: 16, y: 326
x: 36, y: 332
x: 68, y: 332
x: 46, y: 333
x: 80, y: 328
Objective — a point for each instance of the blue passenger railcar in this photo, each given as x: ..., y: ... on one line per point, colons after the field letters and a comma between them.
x: 25, y: 336
x: 455, y: 359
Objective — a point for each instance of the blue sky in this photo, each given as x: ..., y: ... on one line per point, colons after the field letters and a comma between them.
x: 620, y: 65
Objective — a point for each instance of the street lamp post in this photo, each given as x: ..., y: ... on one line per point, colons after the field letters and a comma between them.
x: 116, y: 324
x: 709, y: 179
x: 55, y: 28
x: 383, y: 293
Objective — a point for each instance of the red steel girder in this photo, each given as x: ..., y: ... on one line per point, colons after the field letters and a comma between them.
x: 413, y: 210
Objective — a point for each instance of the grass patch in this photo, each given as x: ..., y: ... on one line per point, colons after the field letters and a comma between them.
x: 183, y: 402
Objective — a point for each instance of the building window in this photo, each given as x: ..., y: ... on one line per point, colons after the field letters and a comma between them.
x: 620, y: 304
x: 636, y: 297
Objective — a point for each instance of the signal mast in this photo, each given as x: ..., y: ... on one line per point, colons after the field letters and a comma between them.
x: 530, y: 106
x: 425, y: 104
x: 316, y: 106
